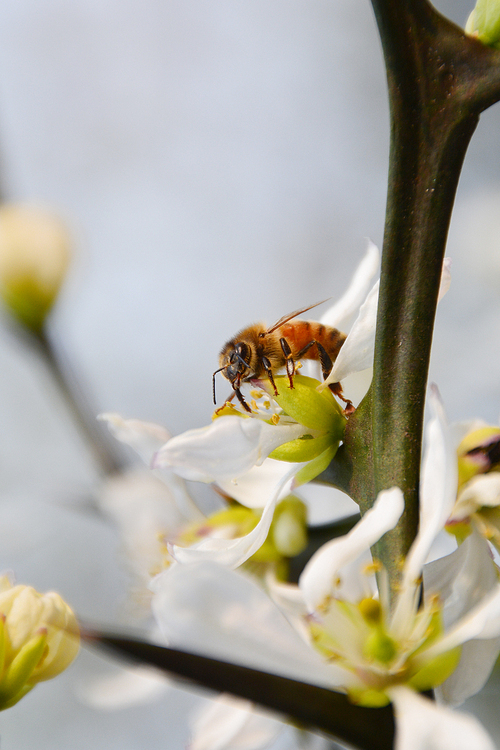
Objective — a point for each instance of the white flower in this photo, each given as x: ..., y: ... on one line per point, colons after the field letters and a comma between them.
x: 356, y: 355
x: 373, y: 654
x: 228, y: 723
x: 477, y: 506
x: 145, y: 512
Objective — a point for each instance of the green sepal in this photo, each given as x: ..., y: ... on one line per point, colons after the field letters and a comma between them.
x: 302, y: 449
x: 370, y: 698
x: 17, y: 697
x: 436, y: 671
x: 316, y: 411
x: 460, y: 530
x: 27, y: 302
x: 316, y: 466
x: 22, y: 667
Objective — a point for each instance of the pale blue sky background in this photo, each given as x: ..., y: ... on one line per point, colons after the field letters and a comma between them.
x: 220, y: 162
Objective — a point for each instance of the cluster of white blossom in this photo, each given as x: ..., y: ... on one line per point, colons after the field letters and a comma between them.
x: 337, y: 627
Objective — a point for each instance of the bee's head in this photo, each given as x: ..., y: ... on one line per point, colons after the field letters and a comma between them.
x: 234, y: 363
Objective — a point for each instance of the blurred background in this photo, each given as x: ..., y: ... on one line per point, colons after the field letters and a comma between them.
x: 218, y: 163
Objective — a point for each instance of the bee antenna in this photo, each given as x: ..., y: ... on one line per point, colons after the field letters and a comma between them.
x: 213, y: 380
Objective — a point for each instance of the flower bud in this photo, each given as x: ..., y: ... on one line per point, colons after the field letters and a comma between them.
x: 38, y: 639
x: 478, y: 453
x: 34, y: 255
x: 484, y: 22
x: 289, y: 527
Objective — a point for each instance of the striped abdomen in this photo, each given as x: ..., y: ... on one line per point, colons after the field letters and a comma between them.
x: 300, y: 333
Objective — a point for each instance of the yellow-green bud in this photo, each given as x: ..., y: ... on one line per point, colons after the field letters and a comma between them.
x: 34, y: 256
x: 39, y: 638
x: 484, y: 22
x: 289, y: 527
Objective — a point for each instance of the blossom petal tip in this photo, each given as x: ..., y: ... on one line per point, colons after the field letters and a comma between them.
x: 112, y: 419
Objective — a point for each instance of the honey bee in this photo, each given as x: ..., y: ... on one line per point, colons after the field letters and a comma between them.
x: 256, y: 351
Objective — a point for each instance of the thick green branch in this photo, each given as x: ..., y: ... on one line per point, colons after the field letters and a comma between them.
x: 439, y: 81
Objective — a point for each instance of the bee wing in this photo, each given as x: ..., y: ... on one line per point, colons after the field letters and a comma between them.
x: 286, y: 318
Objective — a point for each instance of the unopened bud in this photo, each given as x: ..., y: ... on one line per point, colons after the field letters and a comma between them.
x: 484, y: 22
x: 39, y: 638
x: 34, y: 256
x: 289, y: 528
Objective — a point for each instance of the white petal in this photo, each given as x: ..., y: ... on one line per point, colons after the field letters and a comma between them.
x: 357, y: 352
x: 341, y: 313
x: 290, y: 600
x: 483, y: 489
x: 144, y: 437
x: 355, y: 386
x: 459, y: 430
x: 317, y: 579
x: 325, y: 504
x: 477, y: 660
x: 145, y: 511
x: 129, y: 687
x: 228, y: 723
x: 445, y: 278
x: 253, y: 488
x: 226, y: 449
x: 483, y: 621
x: 461, y: 579
x: 234, y: 552
x: 438, y: 489
x: 211, y: 610
x: 423, y: 725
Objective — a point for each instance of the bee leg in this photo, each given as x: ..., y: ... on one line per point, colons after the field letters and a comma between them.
x: 242, y: 401
x: 289, y: 363
x: 305, y: 349
x: 336, y: 388
x: 300, y: 354
x: 266, y: 364
x: 325, y: 360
